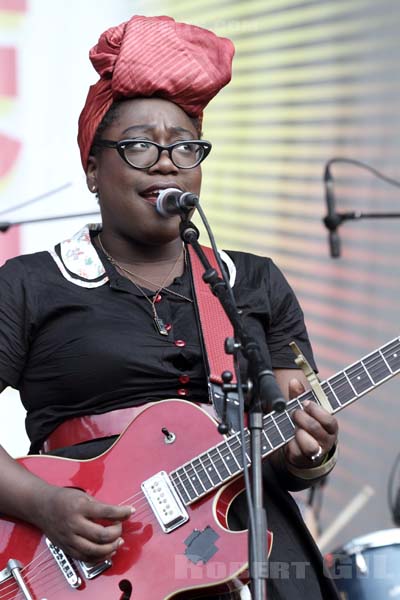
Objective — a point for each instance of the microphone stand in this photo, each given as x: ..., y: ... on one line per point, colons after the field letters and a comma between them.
x: 266, y: 394
x: 5, y: 225
x: 334, y: 219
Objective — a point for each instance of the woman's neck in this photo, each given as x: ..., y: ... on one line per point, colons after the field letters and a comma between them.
x: 130, y: 252
x: 149, y: 266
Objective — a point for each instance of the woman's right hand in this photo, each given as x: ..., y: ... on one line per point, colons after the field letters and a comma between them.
x: 84, y: 528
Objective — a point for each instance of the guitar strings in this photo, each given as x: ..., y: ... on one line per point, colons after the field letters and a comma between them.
x: 12, y: 585
x: 341, y: 383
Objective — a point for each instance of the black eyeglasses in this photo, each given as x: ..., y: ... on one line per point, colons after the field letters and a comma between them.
x: 143, y: 154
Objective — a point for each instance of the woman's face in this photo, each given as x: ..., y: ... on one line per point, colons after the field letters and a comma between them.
x: 127, y: 195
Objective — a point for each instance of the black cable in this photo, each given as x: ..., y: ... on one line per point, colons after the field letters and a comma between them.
x: 216, y: 253
x: 36, y: 199
x: 358, y: 163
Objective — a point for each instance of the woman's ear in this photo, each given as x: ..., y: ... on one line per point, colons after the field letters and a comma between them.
x: 91, y: 175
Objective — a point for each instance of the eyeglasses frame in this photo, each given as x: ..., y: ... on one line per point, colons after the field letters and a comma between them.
x: 121, y: 144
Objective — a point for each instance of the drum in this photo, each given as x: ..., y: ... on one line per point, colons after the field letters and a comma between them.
x: 368, y: 567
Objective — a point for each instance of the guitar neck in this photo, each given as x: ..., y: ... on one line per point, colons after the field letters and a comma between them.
x: 221, y: 463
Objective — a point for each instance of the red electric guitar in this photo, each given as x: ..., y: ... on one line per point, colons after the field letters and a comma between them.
x: 181, y: 483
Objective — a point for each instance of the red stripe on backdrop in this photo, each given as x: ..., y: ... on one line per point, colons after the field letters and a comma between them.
x: 14, y: 5
x: 9, y: 244
x: 9, y: 153
x: 8, y: 71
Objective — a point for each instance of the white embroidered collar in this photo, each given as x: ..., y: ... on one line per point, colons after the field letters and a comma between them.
x: 79, y: 262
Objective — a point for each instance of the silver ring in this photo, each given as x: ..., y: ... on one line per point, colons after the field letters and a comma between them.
x: 318, y: 454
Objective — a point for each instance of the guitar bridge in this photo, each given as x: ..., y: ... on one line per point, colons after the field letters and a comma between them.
x: 67, y: 566
x: 165, y: 502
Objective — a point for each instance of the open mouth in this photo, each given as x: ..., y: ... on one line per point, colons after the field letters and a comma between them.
x: 151, y: 197
x: 151, y: 194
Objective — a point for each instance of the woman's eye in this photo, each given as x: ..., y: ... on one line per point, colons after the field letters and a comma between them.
x: 138, y: 146
x: 187, y: 148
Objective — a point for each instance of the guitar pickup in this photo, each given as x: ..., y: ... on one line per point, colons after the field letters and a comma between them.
x: 165, y: 502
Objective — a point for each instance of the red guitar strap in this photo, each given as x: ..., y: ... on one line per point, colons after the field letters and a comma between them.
x: 214, y: 323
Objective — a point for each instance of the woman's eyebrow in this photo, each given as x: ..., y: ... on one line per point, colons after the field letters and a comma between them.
x: 148, y: 127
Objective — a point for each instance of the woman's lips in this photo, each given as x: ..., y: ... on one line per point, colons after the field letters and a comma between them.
x: 151, y: 197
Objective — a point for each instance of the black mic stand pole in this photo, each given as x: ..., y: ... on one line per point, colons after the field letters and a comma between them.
x: 266, y: 394
x: 5, y: 225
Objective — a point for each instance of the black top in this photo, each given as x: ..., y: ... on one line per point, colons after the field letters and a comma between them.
x: 72, y: 350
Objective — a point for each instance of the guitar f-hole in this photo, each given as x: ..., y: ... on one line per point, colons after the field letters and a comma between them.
x: 126, y: 588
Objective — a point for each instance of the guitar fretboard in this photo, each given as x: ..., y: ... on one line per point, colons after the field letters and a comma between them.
x: 221, y: 463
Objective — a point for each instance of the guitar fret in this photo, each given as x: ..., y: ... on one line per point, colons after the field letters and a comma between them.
x: 362, y: 363
x: 179, y: 487
x: 342, y: 388
x: 274, y: 434
x: 285, y: 424
x: 201, y: 473
x: 392, y: 354
x: 217, y: 464
x: 194, y: 482
x: 265, y: 448
x: 234, y: 457
x: 237, y: 449
x: 225, y: 464
x: 359, y: 378
x: 377, y: 367
x: 350, y: 384
x: 330, y: 394
x: 290, y: 419
x: 298, y: 402
x: 277, y: 427
x: 385, y: 361
x: 210, y: 470
x: 266, y: 419
x: 184, y: 490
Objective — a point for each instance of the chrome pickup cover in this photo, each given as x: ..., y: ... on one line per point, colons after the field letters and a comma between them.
x: 165, y: 502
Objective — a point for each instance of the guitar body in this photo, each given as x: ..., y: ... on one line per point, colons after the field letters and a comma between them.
x: 152, y: 564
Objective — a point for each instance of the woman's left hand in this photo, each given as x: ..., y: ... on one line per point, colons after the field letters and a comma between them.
x: 316, y: 432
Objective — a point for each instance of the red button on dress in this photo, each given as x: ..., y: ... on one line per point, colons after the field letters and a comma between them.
x: 157, y: 298
x: 168, y: 326
x: 184, y: 379
x: 182, y: 392
x: 180, y: 343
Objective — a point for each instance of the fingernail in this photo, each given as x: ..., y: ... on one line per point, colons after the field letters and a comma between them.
x: 306, y: 403
x: 121, y: 542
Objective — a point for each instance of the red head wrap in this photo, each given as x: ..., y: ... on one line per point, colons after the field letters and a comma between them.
x: 154, y: 56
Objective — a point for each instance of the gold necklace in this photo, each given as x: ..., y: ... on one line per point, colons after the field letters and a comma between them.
x: 159, y: 323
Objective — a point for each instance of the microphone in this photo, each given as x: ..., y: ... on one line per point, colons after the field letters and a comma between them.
x: 172, y: 202
x: 332, y: 220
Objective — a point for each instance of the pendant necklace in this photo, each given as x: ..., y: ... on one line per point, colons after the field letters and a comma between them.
x: 158, y: 322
